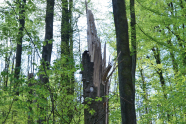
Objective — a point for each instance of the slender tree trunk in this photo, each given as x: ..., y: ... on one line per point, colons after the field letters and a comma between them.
x: 160, y: 73
x: 65, y: 35
x: 30, y: 92
x: 145, y: 96
x: 7, y: 63
x: 67, y: 41
x: 21, y: 5
x: 126, y: 86
x: 134, y: 45
x: 71, y: 29
x: 67, y: 53
x: 47, y: 49
x: 133, y: 39
x: 46, y: 56
x: 19, y: 43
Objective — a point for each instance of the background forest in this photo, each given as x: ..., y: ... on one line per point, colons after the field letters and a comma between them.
x: 41, y: 46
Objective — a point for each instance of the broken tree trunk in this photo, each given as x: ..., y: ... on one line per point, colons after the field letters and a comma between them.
x: 95, y: 112
x: 95, y: 76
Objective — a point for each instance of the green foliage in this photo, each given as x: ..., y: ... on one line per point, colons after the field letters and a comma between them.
x: 98, y: 99
x: 114, y: 108
x: 160, y: 24
x: 92, y: 111
x: 16, y: 109
x: 154, y: 20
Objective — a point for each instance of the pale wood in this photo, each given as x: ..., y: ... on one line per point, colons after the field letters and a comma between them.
x: 96, y: 74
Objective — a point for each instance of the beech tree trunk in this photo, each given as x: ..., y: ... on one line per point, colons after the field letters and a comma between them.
x: 133, y: 40
x: 67, y: 60
x: 126, y: 86
x: 156, y: 53
x: 47, y: 49
x: 46, y: 57
x: 19, y: 44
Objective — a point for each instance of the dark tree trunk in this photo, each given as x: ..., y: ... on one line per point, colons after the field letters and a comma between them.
x: 90, y: 91
x: 30, y: 92
x: 67, y: 42
x: 71, y: 28
x: 46, y: 56
x: 47, y: 49
x: 145, y: 96
x: 156, y: 53
x: 126, y: 86
x: 7, y: 64
x: 65, y: 29
x: 67, y: 54
x: 133, y: 42
x: 19, y: 44
x: 133, y: 39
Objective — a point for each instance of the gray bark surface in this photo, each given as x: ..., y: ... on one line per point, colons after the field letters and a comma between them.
x: 126, y: 86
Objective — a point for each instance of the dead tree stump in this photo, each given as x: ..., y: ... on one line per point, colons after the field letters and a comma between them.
x: 90, y: 94
x: 95, y: 76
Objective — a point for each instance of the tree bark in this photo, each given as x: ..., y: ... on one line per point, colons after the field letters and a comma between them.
x: 46, y: 56
x: 47, y: 49
x: 133, y: 39
x: 126, y: 86
x: 19, y: 44
x: 133, y: 42
x: 145, y: 93
x: 67, y: 54
x: 30, y: 92
x: 65, y: 28
x: 156, y: 53
x: 90, y: 91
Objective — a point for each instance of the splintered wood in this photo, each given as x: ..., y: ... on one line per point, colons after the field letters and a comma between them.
x: 102, y: 73
x: 94, y: 48
x: 96, y: 73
